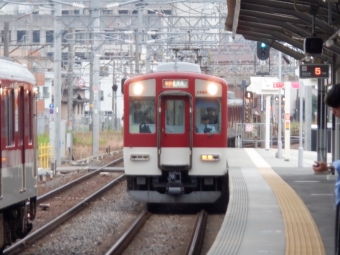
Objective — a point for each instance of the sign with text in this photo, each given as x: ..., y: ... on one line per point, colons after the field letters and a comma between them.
x: 314, y: 71
x: 295, y: 85
x: 279, y: 84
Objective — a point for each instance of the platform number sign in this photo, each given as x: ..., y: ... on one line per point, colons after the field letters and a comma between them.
x: 314, y: 71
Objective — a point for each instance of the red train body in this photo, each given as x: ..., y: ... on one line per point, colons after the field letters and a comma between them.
x: 18, y: 175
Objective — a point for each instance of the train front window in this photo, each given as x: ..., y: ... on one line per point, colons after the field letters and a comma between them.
x: 208, y: 116
x: 142, y: 115
x: 174, y: 116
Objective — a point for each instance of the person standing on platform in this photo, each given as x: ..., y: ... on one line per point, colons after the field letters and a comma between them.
x: 332, y: 99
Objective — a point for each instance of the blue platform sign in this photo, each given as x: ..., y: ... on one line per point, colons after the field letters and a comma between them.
x: 51, y: 106
x: 51, y: 111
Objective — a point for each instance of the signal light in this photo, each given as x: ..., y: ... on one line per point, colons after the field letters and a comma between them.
x: 246, y: 113
x: 249, y: 95
x: 262, y: 51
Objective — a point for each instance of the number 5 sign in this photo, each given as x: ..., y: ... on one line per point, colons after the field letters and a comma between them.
x: 314, y: 71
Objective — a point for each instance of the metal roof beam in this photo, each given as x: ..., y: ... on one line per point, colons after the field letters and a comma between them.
x: 274, y: 17
x: 254, y: 21
x: 302, y: 16
x: 276, y: 36
x: 322, y: 10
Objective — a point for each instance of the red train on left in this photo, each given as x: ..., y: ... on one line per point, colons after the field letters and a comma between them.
x: 18, y: 169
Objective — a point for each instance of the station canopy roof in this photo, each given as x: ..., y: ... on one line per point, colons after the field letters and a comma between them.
x: 284, y: 24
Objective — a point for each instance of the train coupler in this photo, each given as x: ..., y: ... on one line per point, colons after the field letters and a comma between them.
x: 174, y: 185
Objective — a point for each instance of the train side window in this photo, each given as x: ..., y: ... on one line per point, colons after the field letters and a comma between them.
x: 21, y: 115
x: 142, y: 115
x: 174, y: 113
x: 30, y: 118
x: 9, y: 117
x: 208, y: 114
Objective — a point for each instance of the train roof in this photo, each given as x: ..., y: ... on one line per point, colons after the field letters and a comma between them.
x: 12, y: 71
x: 178, y: 66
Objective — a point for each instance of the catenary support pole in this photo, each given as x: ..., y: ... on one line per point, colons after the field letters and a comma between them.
x: 70, y: 80
x: 96, y: 82
x: 300, y: 151
x: 279, y: 132
x: 268, y: 98
x: 287, y: 120
x: 322, y: 125
x: 57, y: 85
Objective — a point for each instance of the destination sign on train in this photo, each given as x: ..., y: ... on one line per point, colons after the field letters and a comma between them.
x: 175, y: 83
x: 314, y: 71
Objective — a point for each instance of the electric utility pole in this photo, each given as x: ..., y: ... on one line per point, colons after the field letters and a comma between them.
x: 57, y: 85
x: 96, y: 83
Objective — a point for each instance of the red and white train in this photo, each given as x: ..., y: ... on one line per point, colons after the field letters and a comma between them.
x: 175, y: 136
x: 18, y: 175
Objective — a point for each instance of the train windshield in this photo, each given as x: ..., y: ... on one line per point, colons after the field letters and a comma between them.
x: 208, y: 115
x: 142, y: 115
x: 174, y: 113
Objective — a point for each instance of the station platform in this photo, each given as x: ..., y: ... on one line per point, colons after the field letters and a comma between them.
x: 276, y: 207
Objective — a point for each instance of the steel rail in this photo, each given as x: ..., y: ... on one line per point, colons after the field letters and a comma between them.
x: 66, y: 186
x: 41, y: 232
x: 129, y: 234
x: 197, y: 237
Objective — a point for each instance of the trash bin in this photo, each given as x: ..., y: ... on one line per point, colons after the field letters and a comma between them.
x: 314, y: 138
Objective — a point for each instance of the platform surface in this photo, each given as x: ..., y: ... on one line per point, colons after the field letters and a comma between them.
x: 277, y: 207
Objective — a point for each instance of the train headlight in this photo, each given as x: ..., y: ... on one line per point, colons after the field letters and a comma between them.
x: 212, y: 89
x: 210, y: 157
x: 138, y: 89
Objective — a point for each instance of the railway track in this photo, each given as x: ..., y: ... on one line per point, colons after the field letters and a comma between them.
x: 66, y: 229
x: 194, y: 245
x: 49, y: 225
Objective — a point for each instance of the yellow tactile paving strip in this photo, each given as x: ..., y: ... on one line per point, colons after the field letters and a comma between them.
x: 302, y: 234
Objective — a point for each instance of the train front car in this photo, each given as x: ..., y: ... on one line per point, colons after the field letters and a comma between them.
x: 18, y: 175
x: 175, y: 137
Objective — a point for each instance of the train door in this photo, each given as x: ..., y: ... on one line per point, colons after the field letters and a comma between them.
x: 21, y: 131
x: 175, y: 134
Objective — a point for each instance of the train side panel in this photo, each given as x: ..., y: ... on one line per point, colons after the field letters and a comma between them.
x: 18, y: 175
